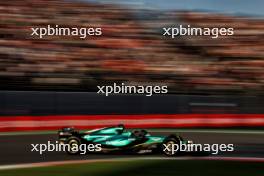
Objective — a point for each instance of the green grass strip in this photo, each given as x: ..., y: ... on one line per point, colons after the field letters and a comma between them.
x: 146, y: 168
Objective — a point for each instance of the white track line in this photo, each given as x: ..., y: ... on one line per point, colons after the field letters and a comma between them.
x: 58, y: 163
x: 224, y: 131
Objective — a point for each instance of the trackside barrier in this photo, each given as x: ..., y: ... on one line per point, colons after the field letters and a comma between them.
x: 55, y: 122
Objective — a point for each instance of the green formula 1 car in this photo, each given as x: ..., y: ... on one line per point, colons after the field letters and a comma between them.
x: 117, y: 138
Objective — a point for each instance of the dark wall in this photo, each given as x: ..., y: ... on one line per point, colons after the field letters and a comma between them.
x: 45, y: 103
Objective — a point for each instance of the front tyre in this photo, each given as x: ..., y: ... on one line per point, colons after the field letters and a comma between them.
x: 168, y: 147
x: 73, y: 147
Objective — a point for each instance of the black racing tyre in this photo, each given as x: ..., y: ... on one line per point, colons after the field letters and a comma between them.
x: 73, y: 147
x: 168, y: 151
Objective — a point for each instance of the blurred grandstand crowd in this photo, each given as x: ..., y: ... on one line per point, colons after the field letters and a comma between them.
x: 131, y: 49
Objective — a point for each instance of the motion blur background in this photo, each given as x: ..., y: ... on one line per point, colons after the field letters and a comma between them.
x: 49, y: 83
x: 131, y: 49
x: 57, y: 75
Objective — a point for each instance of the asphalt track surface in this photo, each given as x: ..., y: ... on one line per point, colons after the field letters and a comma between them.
x: 16, y: 149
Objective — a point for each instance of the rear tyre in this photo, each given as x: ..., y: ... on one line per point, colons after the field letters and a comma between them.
x: 73, y: 146
x: 169, y: 147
